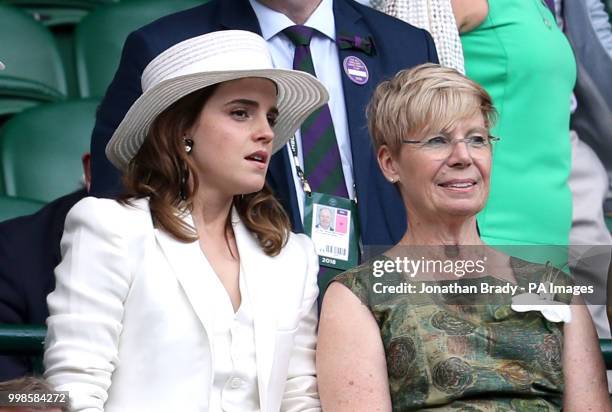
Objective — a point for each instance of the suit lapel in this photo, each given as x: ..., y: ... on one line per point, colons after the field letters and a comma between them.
x: 190, y: 268
x: 259, y: 272
x: 349, y: 22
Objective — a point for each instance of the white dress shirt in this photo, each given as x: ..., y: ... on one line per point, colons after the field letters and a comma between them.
x: 326, y: 63
x: 235, y: 377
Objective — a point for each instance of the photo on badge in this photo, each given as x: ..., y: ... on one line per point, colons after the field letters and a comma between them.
x: 325, y: 218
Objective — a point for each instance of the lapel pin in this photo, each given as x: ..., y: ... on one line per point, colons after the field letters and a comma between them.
x: 356, y: 70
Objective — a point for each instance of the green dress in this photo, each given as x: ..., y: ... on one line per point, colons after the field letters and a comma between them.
x: 524, y: 61
x: 446, y: 353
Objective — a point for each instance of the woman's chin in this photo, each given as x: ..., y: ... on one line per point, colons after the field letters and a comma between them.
x: 462, y: 210
x: 246, y: 188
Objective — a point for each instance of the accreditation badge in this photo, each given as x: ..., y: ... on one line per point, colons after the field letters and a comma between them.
x: 331, y: 223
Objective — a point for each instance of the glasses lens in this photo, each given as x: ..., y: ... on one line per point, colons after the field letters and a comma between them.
x: 442, y: 146
x: 436, y: 143
x: 477, y: 142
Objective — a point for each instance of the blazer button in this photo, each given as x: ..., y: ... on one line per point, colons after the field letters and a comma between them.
x: 236, y: 383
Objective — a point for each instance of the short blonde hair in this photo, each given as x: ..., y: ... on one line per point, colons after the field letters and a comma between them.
x: 425, y: 99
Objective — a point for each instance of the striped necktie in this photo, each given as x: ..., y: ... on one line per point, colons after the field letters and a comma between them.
x: 322, y: 163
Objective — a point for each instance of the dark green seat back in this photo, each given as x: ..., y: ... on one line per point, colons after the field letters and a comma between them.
x: 99, y: 38
x: 11, y: 207
x: 34, y: 72
x: 29, y: 340
x: 41, y: 149
x: 58, y: 12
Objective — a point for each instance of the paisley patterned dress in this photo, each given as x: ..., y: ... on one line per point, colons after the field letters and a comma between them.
x: 455, y: 352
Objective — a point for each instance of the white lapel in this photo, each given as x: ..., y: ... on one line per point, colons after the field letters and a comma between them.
x: 189, y: 265
x: 190, y: 268
x: 260, y: 271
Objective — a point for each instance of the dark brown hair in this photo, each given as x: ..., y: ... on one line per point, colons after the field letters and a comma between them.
x: 161, y: 167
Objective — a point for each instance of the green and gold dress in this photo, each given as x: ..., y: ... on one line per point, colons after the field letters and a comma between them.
x: 454, y: 352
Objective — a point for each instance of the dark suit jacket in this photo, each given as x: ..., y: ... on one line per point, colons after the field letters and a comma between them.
x: 29, y: 252
x: 397, y: 46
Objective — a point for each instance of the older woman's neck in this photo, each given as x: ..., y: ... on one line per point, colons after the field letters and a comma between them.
x: 458, y: 231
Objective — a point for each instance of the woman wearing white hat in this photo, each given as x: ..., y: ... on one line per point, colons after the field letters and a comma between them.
x: 190, y: 293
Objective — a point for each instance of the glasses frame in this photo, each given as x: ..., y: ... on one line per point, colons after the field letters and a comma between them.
x: 423, y: 142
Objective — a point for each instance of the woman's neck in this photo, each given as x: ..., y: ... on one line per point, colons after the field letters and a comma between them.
x: 210, y: 213
x: 459, y: 231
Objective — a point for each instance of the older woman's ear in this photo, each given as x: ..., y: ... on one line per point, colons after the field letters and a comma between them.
x: 388, y: 165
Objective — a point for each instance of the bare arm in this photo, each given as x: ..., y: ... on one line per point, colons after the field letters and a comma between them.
x: 351, y: 365
x: 469, y: 14
x: 586, y: 386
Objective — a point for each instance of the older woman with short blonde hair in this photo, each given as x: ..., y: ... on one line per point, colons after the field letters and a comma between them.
x: 408, y: 338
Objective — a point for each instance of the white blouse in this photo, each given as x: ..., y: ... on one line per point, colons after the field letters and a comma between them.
x: 235, y: 370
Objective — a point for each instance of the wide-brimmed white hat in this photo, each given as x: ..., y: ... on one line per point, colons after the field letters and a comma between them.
x: 205, y: 60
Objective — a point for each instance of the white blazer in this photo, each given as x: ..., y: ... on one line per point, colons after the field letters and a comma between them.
x: 128, y: 328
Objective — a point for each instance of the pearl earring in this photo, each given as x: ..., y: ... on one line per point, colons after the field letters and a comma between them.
x: 188, y: 145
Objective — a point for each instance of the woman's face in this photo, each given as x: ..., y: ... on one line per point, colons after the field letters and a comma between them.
x: 233, y: 136
x: 452, y: 182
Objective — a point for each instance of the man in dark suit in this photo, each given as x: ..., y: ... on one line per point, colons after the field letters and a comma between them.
x: 381, y: 44
x: 29, y: 252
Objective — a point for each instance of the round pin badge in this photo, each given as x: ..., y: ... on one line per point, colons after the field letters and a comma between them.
x: 356, y: 70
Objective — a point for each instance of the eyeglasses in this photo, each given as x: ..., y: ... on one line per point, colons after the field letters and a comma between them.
x: 442, y: 145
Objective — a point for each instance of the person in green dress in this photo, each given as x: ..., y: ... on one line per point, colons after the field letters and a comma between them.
x: 411, y: 338
x: 524, y: 61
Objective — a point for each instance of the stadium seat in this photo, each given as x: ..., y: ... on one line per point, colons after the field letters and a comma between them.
x: 34, y: 71
x: 58, y: 12
x: 22, y: 339
x: 11, y: 207
x: 29, y: 339
x: 41, y: 149
x: 98, y: 49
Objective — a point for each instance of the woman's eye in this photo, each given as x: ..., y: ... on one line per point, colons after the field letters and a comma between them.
x: 240, y: 113
x: 272, y: 118
x: 436, y: 141
x: 477, y: 140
